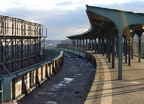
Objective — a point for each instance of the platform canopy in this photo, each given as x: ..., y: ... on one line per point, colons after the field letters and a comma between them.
x: 105, y: 22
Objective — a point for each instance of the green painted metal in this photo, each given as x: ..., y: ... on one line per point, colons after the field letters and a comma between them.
x: 125, y: 48
x: 7, y: 88
x: 120, y: 51
x: 107, y: 47
x: 132, y: 50
x: 7, y: 80
x: 95, y: 45
x: 1, y: 90
x: 113, y: 52
x: 86, y: 43
x: 129, y: 52
x: 99, y: 45
x: 139, y: 49
x: 103, y: 46
x: 120, y: 19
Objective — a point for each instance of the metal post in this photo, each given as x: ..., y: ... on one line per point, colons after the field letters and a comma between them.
x: 80, y: 44
x: 99, y: 45
x: 89, y: 45
x: 83, y: 44
x: 92, y: 44
x: 103, y: 47
x: 21, y: 53
x: 107, y: 47
x: 125, y: 50
x: 109, y: 52
x: 113, y: 52
x: 77, y: 43
x: 124, y: 45
x: 86, y: 44
x: 132, y: 49
x: 120, y: 48
x: 117, y: 46
x: 139, y: 48
x: 95, y: 45
x: 129, y: 46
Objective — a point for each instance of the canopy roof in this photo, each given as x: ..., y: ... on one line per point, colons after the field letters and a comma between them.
x: 105, y: 21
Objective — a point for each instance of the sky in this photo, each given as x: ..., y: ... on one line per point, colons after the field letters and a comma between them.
x: 63, y: 17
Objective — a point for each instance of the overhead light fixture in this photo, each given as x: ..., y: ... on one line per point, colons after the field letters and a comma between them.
x: 131, y: 30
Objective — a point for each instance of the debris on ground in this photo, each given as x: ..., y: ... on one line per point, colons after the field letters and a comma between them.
x: 69, y: 86
x: 93, y: 70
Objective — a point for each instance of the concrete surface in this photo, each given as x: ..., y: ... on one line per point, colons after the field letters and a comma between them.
x: 107, y: 89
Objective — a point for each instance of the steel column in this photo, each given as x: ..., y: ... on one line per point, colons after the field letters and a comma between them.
x: 129, y: 50
x: 120, y: 51
x: 139, y: 48
x: 113, y: 52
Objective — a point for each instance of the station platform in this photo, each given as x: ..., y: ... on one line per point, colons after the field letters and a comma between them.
x: 107, y: 89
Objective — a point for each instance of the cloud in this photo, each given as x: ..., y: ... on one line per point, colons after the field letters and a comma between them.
x: 69, y: 23
x: 38, y: 4
x: 135, y: 6
x: 61, y: 32
x: 110, y: 2
x: 62, y: 17
x: 59, y: 23
x: 57, y: 4
x: 64, y: 3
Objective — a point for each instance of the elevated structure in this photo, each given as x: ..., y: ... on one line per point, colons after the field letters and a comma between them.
x: 20, y: 44
x: 20, y: 50
x: 110, y: 30
x: 23, y: 62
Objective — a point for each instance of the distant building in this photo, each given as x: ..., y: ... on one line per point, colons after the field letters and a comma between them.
x: 65, y: 43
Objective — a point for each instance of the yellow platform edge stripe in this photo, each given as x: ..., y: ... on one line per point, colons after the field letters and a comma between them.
x: 90, y: 98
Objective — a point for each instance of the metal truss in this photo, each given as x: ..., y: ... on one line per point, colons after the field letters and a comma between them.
x: 20, y: 45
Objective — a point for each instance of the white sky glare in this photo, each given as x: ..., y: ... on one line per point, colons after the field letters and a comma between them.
x: 62, y: 17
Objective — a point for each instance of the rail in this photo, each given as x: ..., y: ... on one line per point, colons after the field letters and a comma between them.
x: 22, y: 83
x: 1, y: 90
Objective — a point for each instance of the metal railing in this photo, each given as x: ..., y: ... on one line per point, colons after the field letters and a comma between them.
x: 1, y: 89
x: 54, y: 63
